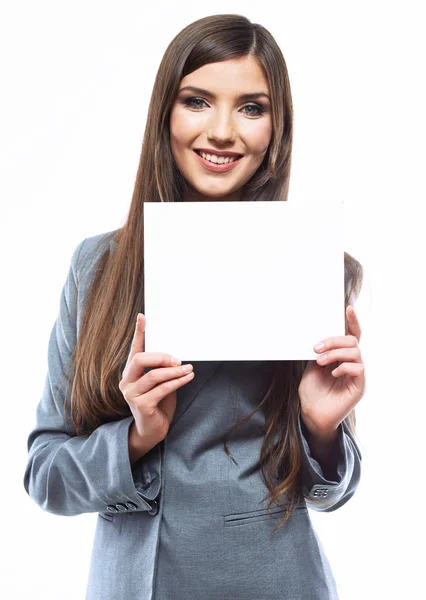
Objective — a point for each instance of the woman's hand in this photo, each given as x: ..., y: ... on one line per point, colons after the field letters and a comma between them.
x: 330, y: 390
x: 151, y: 396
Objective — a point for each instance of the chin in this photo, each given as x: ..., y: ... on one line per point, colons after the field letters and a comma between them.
x: 208, y: 194
x: 225, y: 196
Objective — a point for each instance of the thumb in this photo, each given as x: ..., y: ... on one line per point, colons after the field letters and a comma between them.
x: 138, y: 341
x: 353, y: 326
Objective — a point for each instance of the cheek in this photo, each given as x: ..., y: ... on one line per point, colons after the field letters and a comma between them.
x: 177, y: 128
x: 182, y: 128
x: 265, y: 139
x: 176, y: 133
x: 259, y: 139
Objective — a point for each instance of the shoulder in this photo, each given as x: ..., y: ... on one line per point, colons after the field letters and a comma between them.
x: 87, y: 253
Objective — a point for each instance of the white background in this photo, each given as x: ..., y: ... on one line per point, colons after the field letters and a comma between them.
x: 76, y: 80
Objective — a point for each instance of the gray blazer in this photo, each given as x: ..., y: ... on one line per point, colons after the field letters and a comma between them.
x: 185, y: 523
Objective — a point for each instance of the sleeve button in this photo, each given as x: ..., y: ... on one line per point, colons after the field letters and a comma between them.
x: 319, y: 491
x: 112, y: 508
x: 154, y: 508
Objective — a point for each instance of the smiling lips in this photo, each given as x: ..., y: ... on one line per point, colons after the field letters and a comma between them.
x: 231, y: 159
x: 205, y: 152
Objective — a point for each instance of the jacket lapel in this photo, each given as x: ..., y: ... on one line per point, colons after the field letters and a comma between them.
x: 185, y: 395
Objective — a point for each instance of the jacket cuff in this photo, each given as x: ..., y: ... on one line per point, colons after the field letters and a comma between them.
x: 139, y: 486
x: 320, y: 493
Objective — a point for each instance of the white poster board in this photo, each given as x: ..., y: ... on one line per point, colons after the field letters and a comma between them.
x: 242, y: 280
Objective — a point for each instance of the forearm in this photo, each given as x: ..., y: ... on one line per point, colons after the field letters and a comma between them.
x: 331, y: 468
x: 73, y: 475
x: 137, y: 447
x: 325, y: 450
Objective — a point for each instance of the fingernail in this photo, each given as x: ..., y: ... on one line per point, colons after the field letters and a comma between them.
x: 319, y: 346
x: 176, y: 361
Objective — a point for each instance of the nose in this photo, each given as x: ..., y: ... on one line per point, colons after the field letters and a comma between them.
x: 221, y: 126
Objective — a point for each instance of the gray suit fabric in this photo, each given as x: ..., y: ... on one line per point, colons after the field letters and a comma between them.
x: 185, y: 523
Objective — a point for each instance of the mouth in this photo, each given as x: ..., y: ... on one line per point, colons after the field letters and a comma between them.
x: 218, y: 167
x: 229, y: 157
x: 215, y: 167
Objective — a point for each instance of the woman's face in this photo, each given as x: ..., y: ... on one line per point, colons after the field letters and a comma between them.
x: 217, y: 118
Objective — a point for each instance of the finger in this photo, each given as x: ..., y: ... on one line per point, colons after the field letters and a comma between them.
x: 143, y: 360
x: 340, y: 355
x: 162, y: 391
x: 158, y: 383
x: 353, y: 326
x: 339, y: 341
x: 138, y: 341
x: 352, y: 369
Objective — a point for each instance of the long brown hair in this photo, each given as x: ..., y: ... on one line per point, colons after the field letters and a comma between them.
x: 117, y: 290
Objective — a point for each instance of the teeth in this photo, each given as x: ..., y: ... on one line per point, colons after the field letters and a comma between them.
x: 220, y: 160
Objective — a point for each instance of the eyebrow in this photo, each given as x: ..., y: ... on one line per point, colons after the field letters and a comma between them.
x: 197, y: 90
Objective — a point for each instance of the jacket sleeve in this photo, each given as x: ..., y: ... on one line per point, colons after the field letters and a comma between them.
x: 69, y: 474
x: 323, y: 494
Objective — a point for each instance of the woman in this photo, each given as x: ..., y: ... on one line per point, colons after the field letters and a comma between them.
x: 189, y: 472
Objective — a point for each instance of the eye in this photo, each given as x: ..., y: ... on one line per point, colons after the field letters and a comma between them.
x: 190, y: 102
x: 260, y: 109
x: 193, y: 102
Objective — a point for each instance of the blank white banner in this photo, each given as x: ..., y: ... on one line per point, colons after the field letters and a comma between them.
x: 243, y: 280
